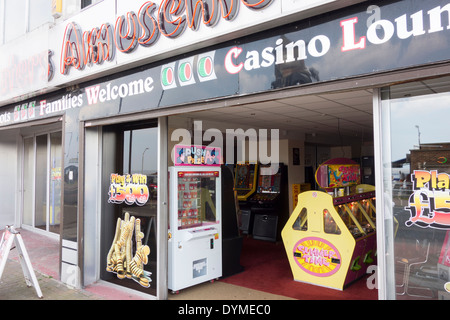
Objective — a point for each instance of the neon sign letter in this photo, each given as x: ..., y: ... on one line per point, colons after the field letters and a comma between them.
x: 127, y: 32
x: 98, y: 44
x: 169, y: 24
x: 256, y: 4
x: 70, y: 53
x: 132, y: 30
x: 148, y: 23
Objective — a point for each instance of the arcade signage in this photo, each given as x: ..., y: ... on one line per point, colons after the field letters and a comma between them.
x: 429, y: 204
x: 170, y: 19
x: 196, y: 156
x: 386, y: 37
x: 317, y: 257
x: 129, y: 189
x: 343, y: 175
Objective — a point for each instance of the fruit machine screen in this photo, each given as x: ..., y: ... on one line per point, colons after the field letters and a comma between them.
x: 268, y: 187
x: 245, y: 180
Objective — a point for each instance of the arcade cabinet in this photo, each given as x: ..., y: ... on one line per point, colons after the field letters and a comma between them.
x: 195, y: 218
x: 231, y: 239
x: 245, y: 180
x: 330, y: 240
x: 245, y: 183
x: 270, y: 205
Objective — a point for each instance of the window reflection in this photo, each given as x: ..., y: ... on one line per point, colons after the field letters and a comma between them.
x: 130, y: 175
x: 416, y: 145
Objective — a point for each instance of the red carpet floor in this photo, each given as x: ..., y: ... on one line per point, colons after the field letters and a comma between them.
x: 266, y: 268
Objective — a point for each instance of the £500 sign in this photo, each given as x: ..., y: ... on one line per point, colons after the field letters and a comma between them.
x: 129, y: 189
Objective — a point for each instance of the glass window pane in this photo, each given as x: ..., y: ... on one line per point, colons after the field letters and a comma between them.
x: 416, y: 149
x: 329, y: 225
x: 131, y: 170
x: 28, y: 178
x: 40, y: 13
x: 40, y: 219
x: 301, y: 223
x: 55, y: 181
x: 85, y: 3
x: 15, y: 19
x: 196, y: 200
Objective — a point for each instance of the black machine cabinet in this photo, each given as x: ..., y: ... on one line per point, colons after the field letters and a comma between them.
x: 265, y: 226
x: 246, y: 221
x: 270, y: 206
x: 231, y: 239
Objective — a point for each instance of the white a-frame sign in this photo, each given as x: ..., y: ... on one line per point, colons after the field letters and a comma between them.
x: 9, y: 237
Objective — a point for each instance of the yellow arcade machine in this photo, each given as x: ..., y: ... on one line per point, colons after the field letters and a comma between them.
x: 331, y: 240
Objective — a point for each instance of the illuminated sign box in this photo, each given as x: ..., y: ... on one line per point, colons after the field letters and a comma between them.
x: 196, y: 156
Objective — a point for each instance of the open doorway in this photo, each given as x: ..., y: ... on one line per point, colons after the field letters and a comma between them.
x: 311, y: 130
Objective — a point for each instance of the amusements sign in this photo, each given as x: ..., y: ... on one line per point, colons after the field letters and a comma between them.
x: 429, y: 204
x: 345, y: 43
x: 196, y: 156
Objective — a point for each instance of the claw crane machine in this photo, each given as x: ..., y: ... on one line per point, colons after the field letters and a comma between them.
x: 330, y: 238
x: 195, y: 239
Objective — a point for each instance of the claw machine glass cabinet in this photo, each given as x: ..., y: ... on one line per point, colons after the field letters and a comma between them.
x: 195, y: 244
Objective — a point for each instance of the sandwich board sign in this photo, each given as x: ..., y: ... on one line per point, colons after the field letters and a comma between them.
x: 9, y: 237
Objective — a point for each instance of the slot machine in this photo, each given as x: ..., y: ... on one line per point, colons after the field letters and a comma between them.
x: 330, y: 240
x: 245, y: 183
x: 269, y: 204
x: 245, y: 180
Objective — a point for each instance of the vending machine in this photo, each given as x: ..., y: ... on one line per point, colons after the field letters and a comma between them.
x: 195, y: 236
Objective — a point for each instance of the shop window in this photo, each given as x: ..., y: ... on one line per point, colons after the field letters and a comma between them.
x: 15, y: 22
x: 40, y: 220
x: 42, y: 161
x: 85, y: 3
x: 28, y: 180
x: 129, y: 210
x: 40, y: 13
x: 416, y: 187
x: 22, y: 16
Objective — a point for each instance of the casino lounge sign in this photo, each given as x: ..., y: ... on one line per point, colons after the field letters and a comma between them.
x: 144, y: 28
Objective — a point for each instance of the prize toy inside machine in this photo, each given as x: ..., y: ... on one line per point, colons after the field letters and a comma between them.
x: 195, y: 215
x: 330, y: 238
x: 269, y: 204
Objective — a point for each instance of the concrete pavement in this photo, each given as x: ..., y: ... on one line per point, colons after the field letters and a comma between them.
x: 14, y: 287
x: 44, y: 255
